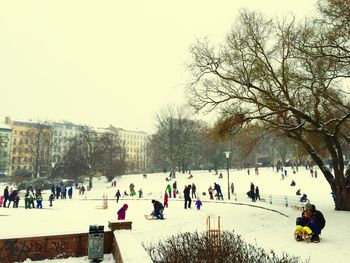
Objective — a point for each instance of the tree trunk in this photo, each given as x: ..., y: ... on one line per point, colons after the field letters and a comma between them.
x: 336, y: 182
x: 90, y: 181
x: 342, y: 202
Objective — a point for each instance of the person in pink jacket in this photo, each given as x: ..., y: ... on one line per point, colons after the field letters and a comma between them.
x: 122, y: 211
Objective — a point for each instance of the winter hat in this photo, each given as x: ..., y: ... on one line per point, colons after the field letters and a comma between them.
x: 125, y: 206
x: 308, y: 206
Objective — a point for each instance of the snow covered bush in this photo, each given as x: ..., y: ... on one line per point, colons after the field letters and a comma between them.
x: 197, y: 247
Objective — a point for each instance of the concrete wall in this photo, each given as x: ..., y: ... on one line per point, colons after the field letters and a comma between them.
x: 57, y: 246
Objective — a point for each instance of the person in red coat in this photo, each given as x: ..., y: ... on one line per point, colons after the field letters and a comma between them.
x: 166, y: 198
x: 121, y: 212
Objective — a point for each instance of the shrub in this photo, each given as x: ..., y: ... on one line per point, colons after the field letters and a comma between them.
x: 197, y: 247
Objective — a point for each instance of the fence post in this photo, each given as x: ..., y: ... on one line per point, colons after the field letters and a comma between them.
x: 270, y: 197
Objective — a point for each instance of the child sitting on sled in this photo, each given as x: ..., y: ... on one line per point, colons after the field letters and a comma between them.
x: 308, y: 226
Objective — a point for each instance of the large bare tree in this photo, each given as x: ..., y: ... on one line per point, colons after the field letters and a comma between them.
x: 176, y: 139
x: 268, y: 72
x: 39, y: 142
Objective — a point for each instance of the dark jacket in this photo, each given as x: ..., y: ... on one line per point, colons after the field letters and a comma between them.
x: 158, y: 206
x: 187, y: 191
x: 318, y: 216
x: 6, y: 193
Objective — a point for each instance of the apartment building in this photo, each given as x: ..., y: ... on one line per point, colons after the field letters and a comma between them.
x: 135, y: 143
x: 5, y: 149
x: 63, y: 133
x: 30, y: 148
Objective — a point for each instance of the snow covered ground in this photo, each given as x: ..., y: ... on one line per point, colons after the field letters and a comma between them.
x: 263, y: 227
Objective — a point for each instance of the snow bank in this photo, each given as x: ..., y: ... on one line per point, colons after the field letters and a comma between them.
x: 127, y: 240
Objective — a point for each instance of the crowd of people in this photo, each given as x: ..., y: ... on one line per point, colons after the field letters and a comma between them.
x: 33, y: 197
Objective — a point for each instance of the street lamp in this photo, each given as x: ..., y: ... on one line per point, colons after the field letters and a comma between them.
x: 227, y: 154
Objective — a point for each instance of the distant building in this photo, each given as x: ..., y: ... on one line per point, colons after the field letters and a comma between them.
x: 5, y: 149
x: 135, y: 143
x: 63, y: 133
x: 30, y: 148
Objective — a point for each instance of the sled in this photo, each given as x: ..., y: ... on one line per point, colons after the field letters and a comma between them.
x: 303, y: 234
x: 150, y: 217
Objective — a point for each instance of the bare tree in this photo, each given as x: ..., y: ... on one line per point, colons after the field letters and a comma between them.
x: 90, y: 153
x: 266, y: 72
x: 176, y: 138
x: 39, y: 141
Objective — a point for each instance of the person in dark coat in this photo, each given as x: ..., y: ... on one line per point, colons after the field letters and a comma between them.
x: 12, y: 198
x: 187, y: 197
x: 316, y: 221
x: 70, y: 192
x: 193, y: 191
x: 257, y: 193
x: 174, y: 189
x: 158, y: 209
x: 217, y: 188
x: 117, y: 195
x: 6, y: 196
x: 51, y: 198
x: 252, y: 193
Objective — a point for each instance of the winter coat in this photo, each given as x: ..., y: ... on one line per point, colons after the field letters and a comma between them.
x: 166, y: 198
x: 198, y: 203
x: 6, y: 193
x: 122, y: 211
x: 319, y: 218
x: 158, y: 206
x: 187, y: 191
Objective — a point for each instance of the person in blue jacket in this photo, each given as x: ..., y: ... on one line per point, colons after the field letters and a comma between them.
x: 217, y: 188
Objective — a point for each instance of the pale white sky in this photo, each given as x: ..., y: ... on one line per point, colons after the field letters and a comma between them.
x: 108, y: 62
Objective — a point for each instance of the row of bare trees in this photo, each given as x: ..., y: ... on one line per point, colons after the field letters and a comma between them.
x: 92, y: 153
x: 182, y: 143
x: 286, y: 77
x: 88, y: 153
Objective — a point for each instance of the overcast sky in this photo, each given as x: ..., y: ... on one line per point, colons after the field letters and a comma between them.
x: 108, y: 62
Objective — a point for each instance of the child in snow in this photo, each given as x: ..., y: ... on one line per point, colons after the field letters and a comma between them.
x: 39, y: 201
x: 51, y: 197
x: 122, y: 211
x: 166, y: 198
x: 2, y: 198
x: 198, y: 203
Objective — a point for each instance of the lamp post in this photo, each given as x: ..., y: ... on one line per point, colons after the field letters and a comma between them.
x: 227, y: 154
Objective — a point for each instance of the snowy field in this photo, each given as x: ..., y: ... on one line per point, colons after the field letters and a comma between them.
x: 263, y: 227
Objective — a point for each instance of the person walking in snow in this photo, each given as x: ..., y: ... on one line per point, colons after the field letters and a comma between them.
x: 232, y: 188
x: 252, y: 193
x: 257, y: 193
x: 187, y: 196
x: 51, y: 198
x: 168, y: 189
x: 166, y: 198
x: 117, y: 195
x: 198, y: 203
x: 217, y: 188
x: 140, y: 193
x: 193, y: 191
x: 39, y: 200
x: 70, y: 192
x: 6, y: 195
x: 122, y: 212
x: 211, y: 192
x: 174, y: 189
